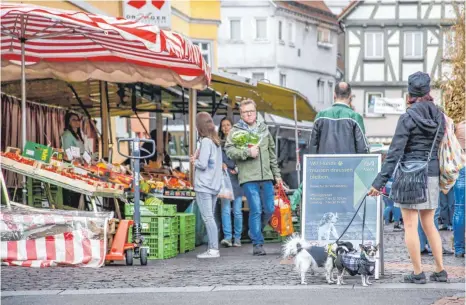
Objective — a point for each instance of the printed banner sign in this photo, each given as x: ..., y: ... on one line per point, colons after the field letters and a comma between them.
x: 383, y: 105
x: 149, y: 12
x: 334, y: 186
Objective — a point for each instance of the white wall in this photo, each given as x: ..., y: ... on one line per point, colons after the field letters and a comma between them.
x: 247, y: 52
x: 298, y: 57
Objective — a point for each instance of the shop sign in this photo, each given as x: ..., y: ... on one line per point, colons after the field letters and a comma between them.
x: 149, y: 12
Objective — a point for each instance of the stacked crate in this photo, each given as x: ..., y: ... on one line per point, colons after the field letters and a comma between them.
x: 160, y: 229
x: 187, y: 231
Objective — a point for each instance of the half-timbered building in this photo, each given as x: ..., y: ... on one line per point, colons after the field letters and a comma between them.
x: 385, y: 42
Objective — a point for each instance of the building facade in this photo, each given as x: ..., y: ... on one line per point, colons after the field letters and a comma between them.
x: 385, y: 42
x: 289, y: 43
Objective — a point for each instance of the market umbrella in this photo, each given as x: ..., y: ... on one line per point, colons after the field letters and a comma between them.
x: 77, y: 46
x: 41, y: 42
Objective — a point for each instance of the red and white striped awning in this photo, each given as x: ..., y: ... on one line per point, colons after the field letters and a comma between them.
x: 77, y: 46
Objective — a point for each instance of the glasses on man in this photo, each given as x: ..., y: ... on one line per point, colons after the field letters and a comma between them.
x: 249, y: 112
x: 76, y: 120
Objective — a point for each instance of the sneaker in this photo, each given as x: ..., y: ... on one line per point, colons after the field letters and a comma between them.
x: 459, y: 254
x: 397, y: 227
x: 237, y: 243
x: 226, y: 243
x: 211, y: 253
x: 258, y: 250
x: 441, y: 276
x: 415, y: 278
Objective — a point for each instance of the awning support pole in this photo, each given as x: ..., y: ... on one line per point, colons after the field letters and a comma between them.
x: 104, y: 118
x: 23, y: 99
x: 192, y: 129
x: 298, y: 162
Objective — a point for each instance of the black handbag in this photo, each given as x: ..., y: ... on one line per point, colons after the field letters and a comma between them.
x: 410, y: 179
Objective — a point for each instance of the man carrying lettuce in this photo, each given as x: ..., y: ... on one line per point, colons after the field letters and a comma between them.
x: 252, y: 147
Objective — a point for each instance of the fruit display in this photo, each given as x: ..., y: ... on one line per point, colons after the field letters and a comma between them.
x: 100, y: 176
x: 18, y: 158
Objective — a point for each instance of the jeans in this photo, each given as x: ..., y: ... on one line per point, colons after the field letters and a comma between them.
x: 206, y: 203
x: 260, y: 197
x: 458, y: 216
x: 422, y: 235
x: 390, y: 208
x: 238, y: 218
x: 447, y: 205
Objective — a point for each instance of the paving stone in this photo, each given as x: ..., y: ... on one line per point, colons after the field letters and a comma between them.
x: 236, y: 266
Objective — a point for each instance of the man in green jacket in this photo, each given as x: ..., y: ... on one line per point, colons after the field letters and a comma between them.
x: 257, y: 169
x: 339, y: 129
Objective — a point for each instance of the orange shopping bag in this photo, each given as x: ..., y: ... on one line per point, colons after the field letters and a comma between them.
x: 281, y: 220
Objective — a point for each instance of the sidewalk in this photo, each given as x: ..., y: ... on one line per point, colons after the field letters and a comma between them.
x: 235, y: 267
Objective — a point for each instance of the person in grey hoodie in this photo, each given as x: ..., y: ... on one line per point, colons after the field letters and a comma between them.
x: 208, y: 178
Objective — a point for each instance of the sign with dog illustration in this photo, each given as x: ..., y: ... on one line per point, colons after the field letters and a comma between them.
x: 334, y: 187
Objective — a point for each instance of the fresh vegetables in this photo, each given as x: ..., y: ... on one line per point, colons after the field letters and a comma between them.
x: 242, y: 138
x: 153, y: 201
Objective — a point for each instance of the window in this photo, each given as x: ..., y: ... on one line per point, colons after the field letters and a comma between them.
x: 121, y: 127
x: 282, y: 80
x: 413, y: 45
x: 258, y: 76
x: 235, y: 29
x: 323, y: 35
x: 330, y: 92
x: 280, y: 30
x: 261, y: 29
x: 370, y: 103
x: 321, y: 91
x: 205, y: 51
x: 374, y: 45
x: 290, y: 33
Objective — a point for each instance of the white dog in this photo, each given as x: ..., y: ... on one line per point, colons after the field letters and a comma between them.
x: 327, y: 227
x: 308, y: 257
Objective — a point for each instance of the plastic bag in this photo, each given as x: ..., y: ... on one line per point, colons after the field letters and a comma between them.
x: 226, y: 192
x: 281, y: 220
x: 451, y: 157
x: 296, y: 198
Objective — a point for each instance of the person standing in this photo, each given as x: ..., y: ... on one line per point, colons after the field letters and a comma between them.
x: 459, y: 189
x: 208, y: 178
x: 339, y: 129
x: 257, y: 168
x: 417, y: 137
x: 72, y: 137
x: 230, y: 166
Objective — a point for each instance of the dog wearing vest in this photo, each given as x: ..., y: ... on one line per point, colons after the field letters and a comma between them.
x: 364, y: 265
x: 308, y: 257
x: 327, y: 227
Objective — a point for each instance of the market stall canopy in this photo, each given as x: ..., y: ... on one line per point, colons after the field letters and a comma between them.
x: 268, y: 97
x: 120, y: 96
x: 77, y: 46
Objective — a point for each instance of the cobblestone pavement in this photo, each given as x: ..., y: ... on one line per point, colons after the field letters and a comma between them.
x: 450, y: 301
x: 236, y: 266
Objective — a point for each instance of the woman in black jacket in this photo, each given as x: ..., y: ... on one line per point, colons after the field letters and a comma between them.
x: 414, y: 138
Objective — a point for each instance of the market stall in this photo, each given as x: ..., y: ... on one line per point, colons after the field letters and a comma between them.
x: 89, y: 48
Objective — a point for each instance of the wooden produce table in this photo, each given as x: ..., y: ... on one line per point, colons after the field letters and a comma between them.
x: 64, y: 182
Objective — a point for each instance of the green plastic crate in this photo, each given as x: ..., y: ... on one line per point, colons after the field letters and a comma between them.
x: 187, y: 222
x: 187, y: 242
x: 161, y: 248
x: 168, y: 210
x: 159, y: 226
